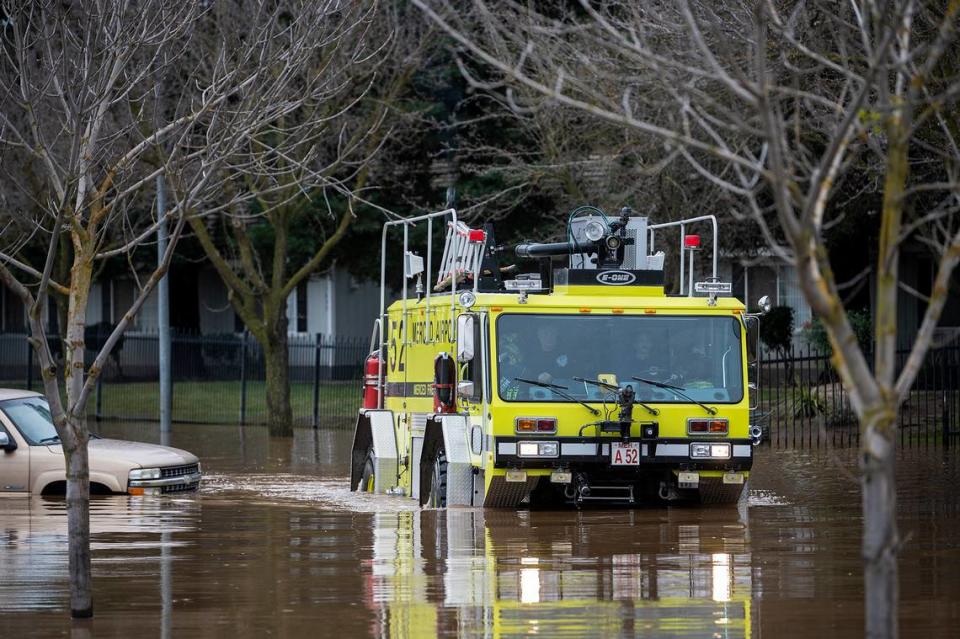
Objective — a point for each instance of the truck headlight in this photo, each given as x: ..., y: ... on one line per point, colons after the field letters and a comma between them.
x: 710, y: 451
x: 145, y: 473
x: 538, y: 449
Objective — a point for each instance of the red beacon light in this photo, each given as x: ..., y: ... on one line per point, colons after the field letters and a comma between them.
x: 691, y: 242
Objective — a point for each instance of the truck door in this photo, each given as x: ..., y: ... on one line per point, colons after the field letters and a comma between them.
x: 472, y: 392
x: 14, y: 460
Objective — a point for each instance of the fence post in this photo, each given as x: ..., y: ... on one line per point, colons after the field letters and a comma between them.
x: 98, y: 414
x: 29, y: 363
x: 243, y: 378
x: 945, y: 411
x: 316, y: 380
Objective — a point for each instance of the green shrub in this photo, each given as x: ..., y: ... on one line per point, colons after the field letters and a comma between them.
x: 860, y: 321
x: 221, y: 348
x: 776, y: 328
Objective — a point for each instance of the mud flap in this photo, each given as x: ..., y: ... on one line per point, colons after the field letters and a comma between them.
x: 508, y: 494
x: 713, y: 490
x: 375, y: 431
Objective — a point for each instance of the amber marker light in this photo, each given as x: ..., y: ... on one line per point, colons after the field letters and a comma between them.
x: 535, y: 425
x: 707, y: 426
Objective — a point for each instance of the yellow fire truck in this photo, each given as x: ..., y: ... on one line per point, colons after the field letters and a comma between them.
x: 575, y: 381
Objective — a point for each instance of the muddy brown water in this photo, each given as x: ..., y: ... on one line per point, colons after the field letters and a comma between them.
x: 275, y: 545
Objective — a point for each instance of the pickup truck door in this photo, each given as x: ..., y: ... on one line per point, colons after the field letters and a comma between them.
x: 14, y: 464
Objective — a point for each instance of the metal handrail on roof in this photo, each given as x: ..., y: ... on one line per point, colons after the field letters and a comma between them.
x: 462, y: 255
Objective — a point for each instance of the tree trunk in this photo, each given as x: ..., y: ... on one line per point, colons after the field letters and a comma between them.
x: 880, y: 538
x: 277, y: 363
x: 78, y: 524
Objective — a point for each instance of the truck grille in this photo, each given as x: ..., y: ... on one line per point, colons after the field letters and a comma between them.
x: 178, y: 488
x: 178, y: 471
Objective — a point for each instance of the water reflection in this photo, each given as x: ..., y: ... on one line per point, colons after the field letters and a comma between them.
x: 33, y: 538
x: 275, y: 544
x: 669, y: 573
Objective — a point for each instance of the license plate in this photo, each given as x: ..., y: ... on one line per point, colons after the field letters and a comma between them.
x: 625, y: 453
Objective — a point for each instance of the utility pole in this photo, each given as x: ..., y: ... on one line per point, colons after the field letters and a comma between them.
x: 163, y: 321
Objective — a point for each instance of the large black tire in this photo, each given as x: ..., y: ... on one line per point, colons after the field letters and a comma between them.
x: 438, y: 482
x: 368, y: 477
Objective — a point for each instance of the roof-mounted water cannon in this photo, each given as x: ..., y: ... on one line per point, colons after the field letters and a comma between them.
x: 605, y: 243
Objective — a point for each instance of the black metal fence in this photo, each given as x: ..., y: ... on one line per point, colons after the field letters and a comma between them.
x: 803, y: 404
x: 216, y: 378
x: 220, y: 379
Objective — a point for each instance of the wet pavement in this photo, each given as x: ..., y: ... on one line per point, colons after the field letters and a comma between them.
x: 276, y: 545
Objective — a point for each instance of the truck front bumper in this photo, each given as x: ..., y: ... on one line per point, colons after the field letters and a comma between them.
x: 166, y: 485
x: 595, y: 452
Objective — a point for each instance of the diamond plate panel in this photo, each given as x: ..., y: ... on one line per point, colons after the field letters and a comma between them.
x: 385, y: 457
x: 459, y: 469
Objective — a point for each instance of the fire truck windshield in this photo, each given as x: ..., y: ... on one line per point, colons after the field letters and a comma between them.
x: 701, y: 355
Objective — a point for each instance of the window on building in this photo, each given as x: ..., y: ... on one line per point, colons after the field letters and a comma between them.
x: 302, y: 307
x: 789, y: 294
x: 106, y: 301
x: 14, y: 316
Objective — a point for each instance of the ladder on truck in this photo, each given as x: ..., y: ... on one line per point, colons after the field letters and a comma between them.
x: 462, y: 256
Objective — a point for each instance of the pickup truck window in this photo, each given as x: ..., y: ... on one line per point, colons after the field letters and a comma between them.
x: 700, y: 355
x: 31, y: 416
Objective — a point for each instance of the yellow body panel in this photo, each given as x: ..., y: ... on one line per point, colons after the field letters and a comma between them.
x: 416, y: 334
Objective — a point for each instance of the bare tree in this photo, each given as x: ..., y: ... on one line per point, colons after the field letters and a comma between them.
x: 776, y: 103
x: 554, y: 154
x: 83, y: 111
x: 354, y: 79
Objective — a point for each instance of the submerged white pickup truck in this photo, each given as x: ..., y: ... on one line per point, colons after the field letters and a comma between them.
x: 31, y: 459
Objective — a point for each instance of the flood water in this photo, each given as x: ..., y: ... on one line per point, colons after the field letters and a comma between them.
x: 276, y: 545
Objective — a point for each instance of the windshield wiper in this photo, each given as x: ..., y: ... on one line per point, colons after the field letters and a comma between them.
x: 53, y: 439
x: 679, y: 391
x: 559, y: 390
x: 616, y: 389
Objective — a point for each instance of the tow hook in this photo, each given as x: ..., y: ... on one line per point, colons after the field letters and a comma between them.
x: 581, y: 487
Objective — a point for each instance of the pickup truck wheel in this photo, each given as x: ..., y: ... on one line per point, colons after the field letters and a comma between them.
x: 368, y: 478
x: 438, y: 484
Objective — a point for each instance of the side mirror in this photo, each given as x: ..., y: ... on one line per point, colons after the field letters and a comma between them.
x: 753, y: 338
x: 465, y: 390
x: 6, y: 443
x: 764, y: 304
x: 465, y: 333
x: 753, y: 360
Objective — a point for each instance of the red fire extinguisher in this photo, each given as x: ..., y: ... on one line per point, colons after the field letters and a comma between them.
x: 444, y: 384
x: 371, y: 381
